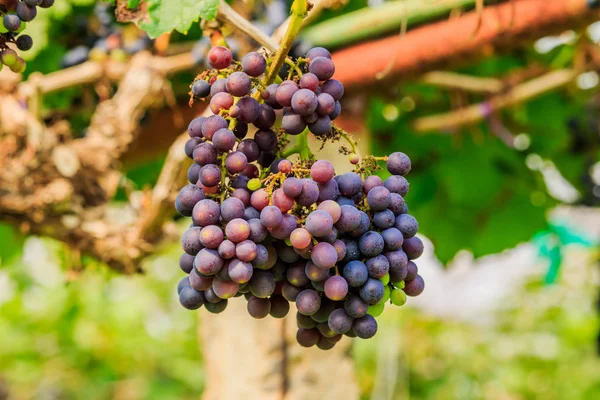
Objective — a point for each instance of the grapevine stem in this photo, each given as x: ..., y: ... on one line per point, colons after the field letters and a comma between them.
x: 348, y: 139
x: 302, y: 145
x: 298, y: 12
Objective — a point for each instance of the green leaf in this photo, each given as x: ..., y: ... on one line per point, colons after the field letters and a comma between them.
x: 133, y: 3
x: 169, y: 15
x: 208, y: 9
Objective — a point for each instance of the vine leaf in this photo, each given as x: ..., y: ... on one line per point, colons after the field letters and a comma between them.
x: 167, y: 15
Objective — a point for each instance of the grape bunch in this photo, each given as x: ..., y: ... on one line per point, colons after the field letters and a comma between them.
x: 277, y: 231
x: 15, y: 15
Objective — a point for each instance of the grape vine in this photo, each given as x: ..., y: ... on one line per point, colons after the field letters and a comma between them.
x: 272, y: 223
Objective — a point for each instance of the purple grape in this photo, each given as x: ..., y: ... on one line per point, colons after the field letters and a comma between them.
x: 334, y: 88
x: 262, y: 284
x: 239, y: 182
x: 210, y: 175
x: 224, y: 289
x: 211, y: 236
x: 283, y: 202
x: 293, y: 123
x: 413, y: 247
x: 308, y: 302
x: 271, y: 99
x: 378, y: 266
x: 292, y: 187
x: 223, y: 140
x: 258, y: 307
x: 271, y: 216
x: 307, y: 337
x: 190, y: 298
x: 241, y: 130
x: 213, y: 124
x: 296, y: 275
x: 365, y: 224
x: 287, y: 226
x: 258, y: 232
x: 384, y: 219
x: 315, y: 273
x: 205, y: 153
x: 239, y: 84
x: 397, y: 184
x: 378, y: 198
x: 336, y: 288
x: 266, y: 140
x: 221, y: 101
x: 211, y: 296
x: 339, y: 321
x: 232, y: 208
x: 322, y: 171
x: 318, y: 52
x: 349, y: 218
x: 398, y: 163
x: 372, y: 291
x: 371, y: 244
x: 195, y: 127
x: 326, y: 104
x: 392, y: 239
x: 411, y: 271
x: 246, y: 250
x: 397, y: 204
x: 254, y: 64
x: 287, y: 254
x: 219, y: 86
x: 336, y: 112
x: 322, y: 67
x: 319, y: 223
x: 216, y: 308
x: 200, y: 282
x: 323, y: 255
x: 365, y: 327
x: 236, y: 162
x: 304, y: 102
x: 237, y: 230
x: 356, y: 273
x: 251, y: 213
x: 325, y: 344
x: 248, y: 109
x: 321, y: 126
x: 187, y: 198
x: 259, y: 199
x: 355, y: 306
x: 25, y: 12
x: 309, y: 194
x: 280, y: 307
x: 309, y: 81
x: 250, y: 149
x: 219, y: 57
x: 266, y: 117
x: 190, y: 145
x: 227, y: 250
x: 289, y: 291
x: 397, y: 258
x: 193, y: 173
x: 414, y: 287
x: 200, y: 89
x: 208, y: 262
x: 371, y: 182
x: 332, y: 208
x: 305, y: 321
x: 261, y: 261
x: 11, y: 22
x: 407, y: 224
x: 349, y: 184
x: 186, y: 263
x: 312, y: 118
x: 206, y: 212
x: 284, y: 93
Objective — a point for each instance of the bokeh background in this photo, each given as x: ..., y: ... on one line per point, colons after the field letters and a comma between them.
x: 503, y: 130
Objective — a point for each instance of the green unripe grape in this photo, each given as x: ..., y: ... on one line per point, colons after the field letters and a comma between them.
x: 254, y: 184
x: 97, y: 55
x: 9, y: 57
x: 385, y: 279
x: 18, y: 66
x: 386, y: 294
x: 398, y: 297
x: 118, y: 55
x: 288, y: 242
x: 376, y: 309
x: 399, y: 285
